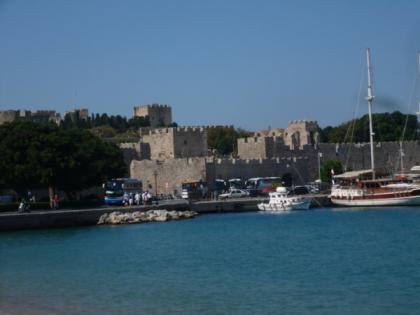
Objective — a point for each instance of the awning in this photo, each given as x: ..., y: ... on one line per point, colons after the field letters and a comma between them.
x: 353, y: 174
x: 415, y: 169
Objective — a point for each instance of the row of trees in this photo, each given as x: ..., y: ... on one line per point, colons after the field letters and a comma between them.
x: 387, y: 127
x: 45, y: 156
x: 118, y: 123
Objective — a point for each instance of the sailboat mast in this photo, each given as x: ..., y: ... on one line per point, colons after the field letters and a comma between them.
x: 370, y: 98
x: 418, y: 113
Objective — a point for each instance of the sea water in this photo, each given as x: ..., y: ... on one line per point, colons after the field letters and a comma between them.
x: 360, y: 261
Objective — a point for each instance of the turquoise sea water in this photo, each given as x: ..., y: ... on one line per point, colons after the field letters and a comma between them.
x: 316, y: 262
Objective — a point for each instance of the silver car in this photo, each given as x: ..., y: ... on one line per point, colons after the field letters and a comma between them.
x: 234, y: 193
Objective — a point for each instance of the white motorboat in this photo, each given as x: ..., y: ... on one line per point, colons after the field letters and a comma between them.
x: 280, y: 201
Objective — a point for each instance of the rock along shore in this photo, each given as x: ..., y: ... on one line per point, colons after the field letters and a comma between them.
x: 118, y: 217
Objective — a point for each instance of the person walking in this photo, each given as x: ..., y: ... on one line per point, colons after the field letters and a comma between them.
x: 56, y: 202
x: 125, y: 199
x: 137, y: 198
x: 23, y: 206
x: 130, y: 199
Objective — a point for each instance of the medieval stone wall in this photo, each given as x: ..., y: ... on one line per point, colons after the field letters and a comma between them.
x: 8, y: 116
x: 261, y: 147
x: 168, y: 175
x: 161, y: 143
x: 190, y: 142
x: 298, y: 167
x: 159, y: 115
x: 301, y: 164
x: 175, y: 142
x: 253, y: 148
x: 25, y: 115
x: 300, y: 133
x: 272, y: 132
x: 356, y: 156
x: 273, y: 142
x: 131, y: 151
x: 77, y: 113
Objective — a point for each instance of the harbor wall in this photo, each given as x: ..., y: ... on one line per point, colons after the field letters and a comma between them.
x: 300, y: 164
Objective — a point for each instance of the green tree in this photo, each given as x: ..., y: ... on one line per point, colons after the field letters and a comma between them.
x: 224, y: 139
x: 103, y: 132
x: 386, y: 126
x: 138, y: 122
x: 326, y: 170
x: 45, y: 156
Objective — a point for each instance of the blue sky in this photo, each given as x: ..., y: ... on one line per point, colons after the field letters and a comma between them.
x: 253, y: 64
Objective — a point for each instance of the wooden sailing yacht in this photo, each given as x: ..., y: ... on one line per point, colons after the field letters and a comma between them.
x: 363, y: 188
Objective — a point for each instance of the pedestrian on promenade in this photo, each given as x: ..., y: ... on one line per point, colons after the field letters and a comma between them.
x: 130, y: 199
x: 146, y: 197
x: 56, y: 202
x: 24, y: 206
x: 137, y: 198
x: 125, y: 199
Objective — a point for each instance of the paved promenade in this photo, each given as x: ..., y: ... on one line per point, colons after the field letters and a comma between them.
x: 71, y: 217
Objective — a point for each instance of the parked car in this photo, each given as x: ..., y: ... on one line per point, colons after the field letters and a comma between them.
x: 234, y: 193
x: 313, y: 189
x: 300, y: 190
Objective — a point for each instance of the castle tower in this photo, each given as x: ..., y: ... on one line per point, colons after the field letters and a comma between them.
x: 174, y: 142
x: 300, y: 133
x: 159, y: 115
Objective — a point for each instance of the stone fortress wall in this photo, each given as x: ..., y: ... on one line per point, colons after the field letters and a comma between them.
x: 9, y: 116
x: 302, y: 164
x: 275, y: 152
x: 300, y: 133
x: 169, y: 143
x: 159, y: 115
x: 261, y: 147
x: 173, y: 142
x: 44, y: 116
x: 170, y: 174
x: 273, y: 143
x: 40, y: 116
x: 301, y: 139
x: 26, y: 115
x: 77, y: 113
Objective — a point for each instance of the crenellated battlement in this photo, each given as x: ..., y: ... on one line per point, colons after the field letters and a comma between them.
x: 252, y: 140
x: 176, y: 130
x: 239, y: 162
x: 260, y: 139
x: 302, y: 121
x: 154, y: 106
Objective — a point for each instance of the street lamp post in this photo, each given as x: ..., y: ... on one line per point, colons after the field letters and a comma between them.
x: 418, y: 114
x: 155, y: 173
x: 319, y: 166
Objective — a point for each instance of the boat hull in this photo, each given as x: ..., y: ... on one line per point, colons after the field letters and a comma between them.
x: 305, y: 205
x: 372, y: 202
